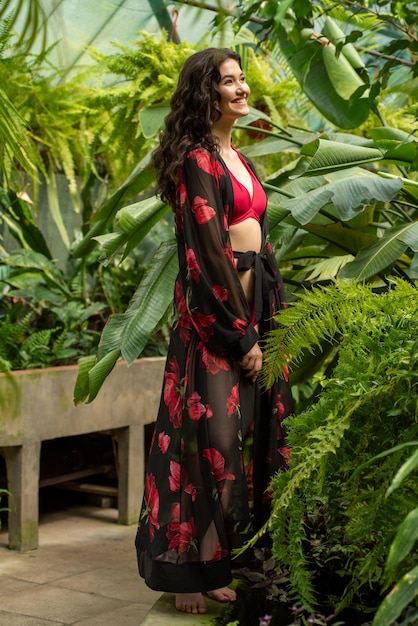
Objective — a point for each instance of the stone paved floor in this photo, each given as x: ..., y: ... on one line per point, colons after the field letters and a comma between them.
x: 84, y: 573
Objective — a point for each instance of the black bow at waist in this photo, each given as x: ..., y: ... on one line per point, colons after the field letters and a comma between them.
x: 266, y: 278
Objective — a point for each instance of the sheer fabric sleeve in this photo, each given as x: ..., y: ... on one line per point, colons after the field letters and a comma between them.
x: 214, y: 296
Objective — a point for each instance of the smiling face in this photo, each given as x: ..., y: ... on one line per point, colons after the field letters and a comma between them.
x: 233, y: 90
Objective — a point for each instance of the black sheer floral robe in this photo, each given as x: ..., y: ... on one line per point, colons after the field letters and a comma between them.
x: 218, y: 439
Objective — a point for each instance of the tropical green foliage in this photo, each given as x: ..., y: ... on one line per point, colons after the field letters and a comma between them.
x: 322, y: 41
x: 93, y: 135
x: 350, y: 484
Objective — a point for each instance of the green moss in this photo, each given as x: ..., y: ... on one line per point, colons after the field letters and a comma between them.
x: 10, y: 397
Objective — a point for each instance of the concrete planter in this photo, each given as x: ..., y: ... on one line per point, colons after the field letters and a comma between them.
x: 37, y: 405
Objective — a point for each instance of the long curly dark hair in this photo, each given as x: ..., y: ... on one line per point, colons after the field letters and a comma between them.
x: 194, y: 109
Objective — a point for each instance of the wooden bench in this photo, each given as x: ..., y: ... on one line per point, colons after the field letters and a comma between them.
x: 37, y: 405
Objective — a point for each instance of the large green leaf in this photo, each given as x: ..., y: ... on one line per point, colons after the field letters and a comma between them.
x: 403, y: 593
x: 349, y: 192
x: 304, y: 208
x: 152, y: 119
x: 129, y: 332
x: 383, y: 253
x: 135, y: 222
x: 327, y: 156
x: 322, y: 75
x: 347, y: 239
x: 81, y: 388
x: 405, y: 538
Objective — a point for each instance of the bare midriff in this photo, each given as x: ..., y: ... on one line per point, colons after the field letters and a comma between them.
x: 246, y: 236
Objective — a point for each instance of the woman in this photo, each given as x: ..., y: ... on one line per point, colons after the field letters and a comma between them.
x: 217, y: 439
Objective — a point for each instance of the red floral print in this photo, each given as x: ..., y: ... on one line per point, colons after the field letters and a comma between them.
x: 207, y: 164
x: 202, y: 212
x: 172, y: 395
x: 220, y: 292
x: 217, y: 462
x: 213, y: 362
x: 204, y: 325
x: 163, y: 442
x: 182, y: 536
x: 285, y: 453
x: 200, y: 472
x: 182, y: 192
x: 193, y: 265
x: 173, y: 534
x: 196, y: 408
x: 232, y: 403
x: 218, y: 553
x: 175, y: 474
x: 191, y: 491
x: 240, y: 325
x: 188, y: 535
x: 153, y: 504
x: 280, y: 406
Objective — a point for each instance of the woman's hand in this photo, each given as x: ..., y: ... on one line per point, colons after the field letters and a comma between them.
x: 252, y: 361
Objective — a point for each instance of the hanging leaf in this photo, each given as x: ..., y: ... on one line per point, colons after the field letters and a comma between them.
x: 307, y: 63
x: 334, y: 33
x: 100, y: 371
x: 382, y: 254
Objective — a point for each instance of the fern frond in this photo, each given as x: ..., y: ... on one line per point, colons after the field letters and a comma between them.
x: 321, y: 315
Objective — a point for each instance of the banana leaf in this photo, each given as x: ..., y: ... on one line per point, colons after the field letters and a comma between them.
x: 135, y: 221
x: 349, y: 192
x: 383, y: 253
x: 324, y: 81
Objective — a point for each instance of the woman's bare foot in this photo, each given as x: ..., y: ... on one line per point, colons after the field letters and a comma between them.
x: 190, y: 603
x: 224, y: 594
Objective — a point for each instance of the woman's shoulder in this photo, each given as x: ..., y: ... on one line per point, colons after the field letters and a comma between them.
x: 205, y: 160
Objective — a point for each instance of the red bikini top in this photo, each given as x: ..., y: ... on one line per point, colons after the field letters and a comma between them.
x: 244, y: 207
